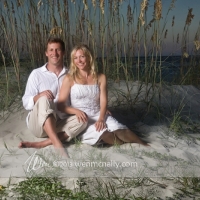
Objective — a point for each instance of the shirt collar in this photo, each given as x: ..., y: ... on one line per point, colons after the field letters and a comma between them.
x: 64, y: 70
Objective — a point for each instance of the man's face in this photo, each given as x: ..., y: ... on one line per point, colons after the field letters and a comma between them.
x: 54, y: 54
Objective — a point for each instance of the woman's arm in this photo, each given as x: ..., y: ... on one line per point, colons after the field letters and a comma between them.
x: 100, y: 124
x: 63, y: 97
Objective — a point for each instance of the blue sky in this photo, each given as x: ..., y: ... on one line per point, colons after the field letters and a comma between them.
x: 180, y: 12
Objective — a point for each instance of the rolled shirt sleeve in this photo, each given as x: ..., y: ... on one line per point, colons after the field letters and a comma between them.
x: 30, y: 91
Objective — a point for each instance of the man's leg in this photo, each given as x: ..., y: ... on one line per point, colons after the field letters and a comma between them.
x: 71, y: 126
x: 46, y: 142
x: 42, y: 122
x: 66, y: 129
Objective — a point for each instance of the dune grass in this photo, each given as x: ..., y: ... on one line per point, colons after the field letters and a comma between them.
x: 101, y: 189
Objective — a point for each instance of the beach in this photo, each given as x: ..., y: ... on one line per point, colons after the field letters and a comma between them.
x: 173, y: 152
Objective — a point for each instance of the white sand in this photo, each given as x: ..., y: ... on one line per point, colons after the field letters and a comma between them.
x: 169, y: 155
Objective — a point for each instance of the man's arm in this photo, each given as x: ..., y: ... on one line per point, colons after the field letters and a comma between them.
x: 32, y: 93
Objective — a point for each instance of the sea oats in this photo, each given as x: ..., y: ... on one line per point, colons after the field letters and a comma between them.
x: 185, y: 54
x: 177, y: 39
x: 173, y: 20
x: 15, y: 22
x: 166, y: 33
x: 141, y: 17
x: 144, y: 6
x: 110, y: 2
x: 13, y: 10
x: 56, y: 31
x: 94, y: 3
x: 5, y: 3
x: 172, y: 4
x: 129, y: 14
x: 154, y: 36
x: 54, y: 21
x: 58, y: 6
x: 157, y: 9
x: 29, y: 18
x: 83, y: 16
x: 37, y: 28
x: 190, y: 16
x: 197, y: 44
x: 39, y: 4
x: 102, y: 6
x: 66, y: 13
x: 116, y: 6
x: 149, y: 25
x: 90, y: 28
x: 85, y: 4
x: 45, y: 31
x: 3, y: 20
x: 18, y: 3
x: 65, y: 3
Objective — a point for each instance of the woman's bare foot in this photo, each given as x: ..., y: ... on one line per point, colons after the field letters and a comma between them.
x: 127, y: 136
x: 144, y: 143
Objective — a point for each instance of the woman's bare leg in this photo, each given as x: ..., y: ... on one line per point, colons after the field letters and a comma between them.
x: 127, y: 136
x: 110, y: 138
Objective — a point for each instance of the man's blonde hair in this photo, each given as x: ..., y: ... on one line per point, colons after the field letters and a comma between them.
x: 73, y: 71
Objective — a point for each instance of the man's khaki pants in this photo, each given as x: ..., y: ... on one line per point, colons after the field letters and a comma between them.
x: 45, y: 107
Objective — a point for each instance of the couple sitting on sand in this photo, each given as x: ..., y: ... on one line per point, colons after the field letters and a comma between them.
x: 65, y: 103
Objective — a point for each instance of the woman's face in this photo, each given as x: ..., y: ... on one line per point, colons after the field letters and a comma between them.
x: 80, y: 60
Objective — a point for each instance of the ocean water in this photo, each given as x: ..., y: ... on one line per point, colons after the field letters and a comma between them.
x: 170, y: 66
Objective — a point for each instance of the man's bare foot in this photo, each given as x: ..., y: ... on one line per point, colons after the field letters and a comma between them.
x: 39, y: 145
x: 36, y: 145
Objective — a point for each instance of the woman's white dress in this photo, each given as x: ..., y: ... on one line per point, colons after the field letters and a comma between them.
x: 87, y: 99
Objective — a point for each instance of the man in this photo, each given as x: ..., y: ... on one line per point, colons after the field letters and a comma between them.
x: 40, y: 98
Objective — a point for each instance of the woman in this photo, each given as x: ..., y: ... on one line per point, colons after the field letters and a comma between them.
x: 88, y: 94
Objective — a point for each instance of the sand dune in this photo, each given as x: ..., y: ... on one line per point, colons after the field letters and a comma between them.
x: 170, y: 154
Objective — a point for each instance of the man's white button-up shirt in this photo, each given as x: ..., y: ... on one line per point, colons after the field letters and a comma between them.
x: 39, y: 80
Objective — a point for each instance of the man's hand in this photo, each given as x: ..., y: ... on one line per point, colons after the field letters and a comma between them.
x: 48, y: 94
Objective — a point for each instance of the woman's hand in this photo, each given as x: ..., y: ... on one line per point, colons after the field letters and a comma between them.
x: 100, y: 125
x: 81, y: 116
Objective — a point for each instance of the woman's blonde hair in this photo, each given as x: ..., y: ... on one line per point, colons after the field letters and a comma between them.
x: 73, y: 70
